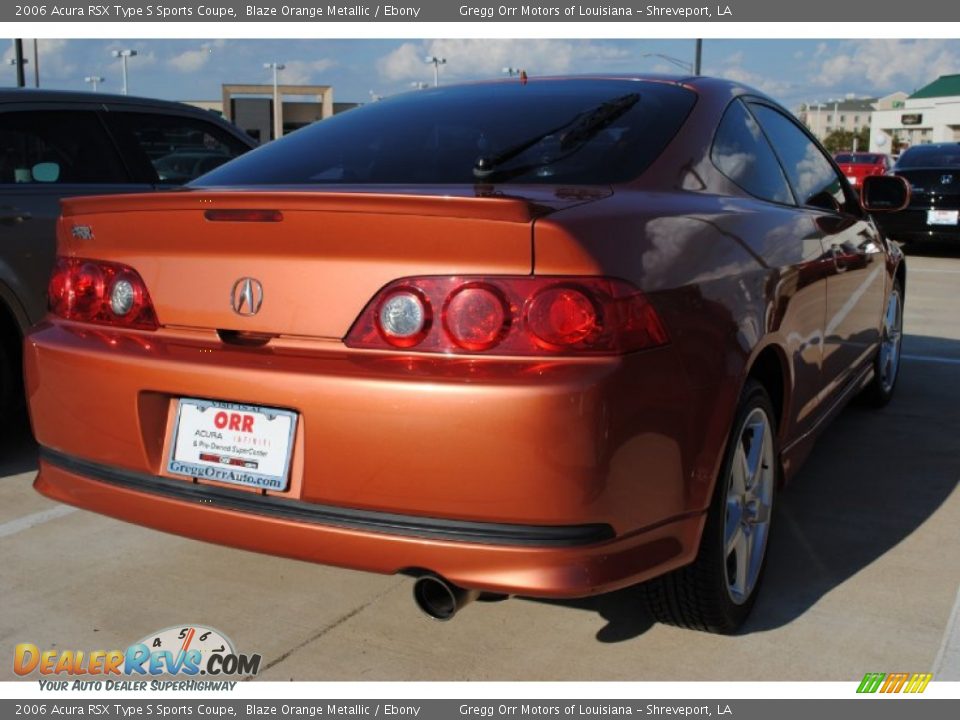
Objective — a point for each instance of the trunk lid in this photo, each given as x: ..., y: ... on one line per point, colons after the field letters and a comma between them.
x: 321, y: 263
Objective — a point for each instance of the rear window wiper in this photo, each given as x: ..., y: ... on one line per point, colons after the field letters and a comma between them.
x: 582, y: 127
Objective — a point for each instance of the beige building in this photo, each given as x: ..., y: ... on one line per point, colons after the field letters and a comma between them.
x: 850, y: 114
x: 250, y: 107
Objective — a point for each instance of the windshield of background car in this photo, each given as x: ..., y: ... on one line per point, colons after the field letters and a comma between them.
x: 436, y: 137
x: 930, y: 156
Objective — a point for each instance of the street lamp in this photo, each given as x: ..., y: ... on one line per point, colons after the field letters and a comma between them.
x: 123, y: 55
x: 437, y: 62
x: 511, y: 71
x: 682, y: 64
x: 419, y: 85
x: 277, y: 121
x: 95, y: 80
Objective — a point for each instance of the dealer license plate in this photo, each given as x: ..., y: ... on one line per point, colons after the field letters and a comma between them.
x: 241, y: 444
x: 942, y: 217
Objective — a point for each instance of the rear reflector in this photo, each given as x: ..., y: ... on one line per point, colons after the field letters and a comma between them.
x: 509, y: 316
x: 243, y: 215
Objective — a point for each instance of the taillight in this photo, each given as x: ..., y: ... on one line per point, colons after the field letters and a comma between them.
x: 509, y: 316
x: 101, y: 292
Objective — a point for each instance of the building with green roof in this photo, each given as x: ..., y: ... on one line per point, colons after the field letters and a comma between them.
x: 930, y: 114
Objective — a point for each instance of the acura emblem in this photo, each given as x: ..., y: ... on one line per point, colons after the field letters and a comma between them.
x: 946, y: 179
x: 246, y: 296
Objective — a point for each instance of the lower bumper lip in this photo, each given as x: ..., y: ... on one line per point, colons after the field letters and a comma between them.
x: 570, y: 571
x: 365, y: 520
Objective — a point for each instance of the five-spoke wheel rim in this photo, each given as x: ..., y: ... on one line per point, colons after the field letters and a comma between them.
x: 889, y: 359
x: 749, y: 501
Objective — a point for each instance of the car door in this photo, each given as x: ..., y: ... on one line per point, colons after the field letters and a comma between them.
x: 48, y: 151
x: 784, y: 235
x: 856, y: 270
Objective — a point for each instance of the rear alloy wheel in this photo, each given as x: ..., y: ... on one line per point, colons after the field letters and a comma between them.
x: 715, y: 593
x: 886, y: 365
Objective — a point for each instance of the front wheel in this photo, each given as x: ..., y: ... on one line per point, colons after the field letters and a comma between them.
x: 886, y: 363
x: 716, y: 592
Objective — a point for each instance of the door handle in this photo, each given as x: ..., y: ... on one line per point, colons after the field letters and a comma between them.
x: 10, y: 214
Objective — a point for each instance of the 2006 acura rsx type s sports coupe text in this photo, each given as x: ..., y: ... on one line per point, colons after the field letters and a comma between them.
x: 549, y: 338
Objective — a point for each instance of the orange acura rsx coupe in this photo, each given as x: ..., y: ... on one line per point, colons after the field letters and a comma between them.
x: 550, y: 338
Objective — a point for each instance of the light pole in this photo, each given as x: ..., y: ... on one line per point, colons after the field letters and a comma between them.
x: 277, y: 114
x: 698, y: 54
x: 123, y: 55
x: 95, y: 80
x: 418, y: 85
x: 20, y: 72
x: 511, y: 71
x: 682, y: 64
x: 437, y: 62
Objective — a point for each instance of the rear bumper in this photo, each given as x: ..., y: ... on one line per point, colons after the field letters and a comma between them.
x: 557, y: 479
x: 571, y: 561
x: 911, y: 225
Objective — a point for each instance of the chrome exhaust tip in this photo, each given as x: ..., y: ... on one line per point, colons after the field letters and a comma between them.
x: 440, y: 599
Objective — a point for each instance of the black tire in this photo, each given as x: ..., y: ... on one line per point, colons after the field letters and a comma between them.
x: 881, y: 388
x: 698, y: 596
x: 11, y: 386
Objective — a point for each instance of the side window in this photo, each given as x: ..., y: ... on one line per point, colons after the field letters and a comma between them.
x: 741, y: 152
x: 177, y: 148
x: 811, y: 174
x: 57, y: 147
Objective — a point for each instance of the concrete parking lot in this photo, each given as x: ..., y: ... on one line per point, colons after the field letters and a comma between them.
x: 863, y: 575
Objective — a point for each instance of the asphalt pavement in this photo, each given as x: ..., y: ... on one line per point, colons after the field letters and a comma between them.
x: 863, y: 569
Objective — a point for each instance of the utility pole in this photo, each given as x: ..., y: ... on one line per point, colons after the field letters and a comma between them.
x: 123, y: 55
x: 437, y: 62
x: 277, y: 114
x: 36, y: 65
x: 19, y: 61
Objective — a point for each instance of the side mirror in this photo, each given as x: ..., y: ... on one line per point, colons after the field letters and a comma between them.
x: 884, y: 193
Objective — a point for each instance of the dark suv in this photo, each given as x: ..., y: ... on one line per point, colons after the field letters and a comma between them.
x: 57, y: 144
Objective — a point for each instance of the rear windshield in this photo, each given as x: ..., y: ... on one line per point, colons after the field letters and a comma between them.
x: 437, y: 136
x: 851, y: 159
x: 930, y: 156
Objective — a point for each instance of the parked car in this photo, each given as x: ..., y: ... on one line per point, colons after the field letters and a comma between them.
x: 60, y: 144
x: 933, y: 172
x: 858, y: 165
x: 546, y: 338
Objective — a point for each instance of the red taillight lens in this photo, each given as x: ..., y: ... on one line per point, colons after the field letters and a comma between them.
x: 476, y: 317
x: 100, y: 292
x: 511, y: 316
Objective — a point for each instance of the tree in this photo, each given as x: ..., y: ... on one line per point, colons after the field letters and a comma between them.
x: 842, y: 140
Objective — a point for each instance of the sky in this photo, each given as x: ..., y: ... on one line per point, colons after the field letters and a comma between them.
x: 791, y: 71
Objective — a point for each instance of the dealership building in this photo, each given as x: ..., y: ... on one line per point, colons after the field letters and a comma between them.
x: 250, y: 107
x: 931, y: 114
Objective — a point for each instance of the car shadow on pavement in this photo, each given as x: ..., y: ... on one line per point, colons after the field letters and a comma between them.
x: 873, y: 478
x: 18, y: 451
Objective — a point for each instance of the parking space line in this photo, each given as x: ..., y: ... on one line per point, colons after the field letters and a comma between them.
x: 933, y: 270
x: 28, y: 521
x: 932, y: 358
x: 947, y: 664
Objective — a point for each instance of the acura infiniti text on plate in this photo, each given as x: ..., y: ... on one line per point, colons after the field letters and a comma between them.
x: 550, y: 338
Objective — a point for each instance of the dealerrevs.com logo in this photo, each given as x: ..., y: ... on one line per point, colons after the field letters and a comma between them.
x: 179, y: 651
x: 899, y: 682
